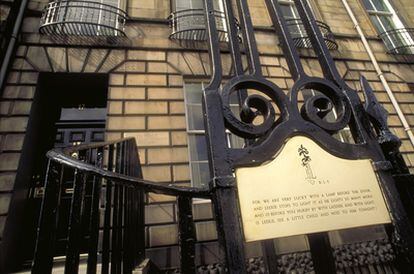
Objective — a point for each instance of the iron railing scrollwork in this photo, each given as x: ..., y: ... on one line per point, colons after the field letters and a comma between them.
x: 283, y: 116
x: 82, y: 18
x: 399, y: 41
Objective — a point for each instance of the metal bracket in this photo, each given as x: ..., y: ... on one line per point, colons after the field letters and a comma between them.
x: 382, y: 166
x: 224, y: 182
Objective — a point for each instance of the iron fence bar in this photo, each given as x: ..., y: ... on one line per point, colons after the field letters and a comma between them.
x: 128, y: 252
x: 139, y: 204
x: 269, y: 256
x: 94, y: 217
x: 46, y: 231
x: 127, y: 226
x: 287, y: 43
x: 125, y: 205
x: 115, y: 258
x: 318, y: 43
x: 249, y: 38
x: 107, y: 215
x: 321, y: 252
x: 75, y: 230
x: 186, y: 235
x: 213, y: 47
x: 134, y: 211
x: 121, y: 213
x: 234, y: 45
x: 224, y: 195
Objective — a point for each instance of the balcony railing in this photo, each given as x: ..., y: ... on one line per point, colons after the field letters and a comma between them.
x: 190, y: 26
x: 399, y: 41
x: 82, y: 18
x: 301, y: 38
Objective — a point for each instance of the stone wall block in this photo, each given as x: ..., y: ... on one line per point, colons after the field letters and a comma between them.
x: 150, y: 138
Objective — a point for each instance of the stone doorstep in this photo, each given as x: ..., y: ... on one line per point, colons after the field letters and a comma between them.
x: 145, y: 267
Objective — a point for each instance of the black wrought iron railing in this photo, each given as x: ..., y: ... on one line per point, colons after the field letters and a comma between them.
x: 82, y: 18
x: 399, y: 41
x: 109, y: 175
x: 301, y: 39
x: 190, y: 25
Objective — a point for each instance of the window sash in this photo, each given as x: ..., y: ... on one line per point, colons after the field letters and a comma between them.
x: 197, y: 144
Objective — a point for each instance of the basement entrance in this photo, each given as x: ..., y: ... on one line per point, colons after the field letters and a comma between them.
x: 69, y: 109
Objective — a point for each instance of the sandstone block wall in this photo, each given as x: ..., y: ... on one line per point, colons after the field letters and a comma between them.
x: 145, y: 101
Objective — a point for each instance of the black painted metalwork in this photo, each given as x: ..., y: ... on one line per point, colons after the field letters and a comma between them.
x: 190, y: 25
x: 109, y: 173
x: 82, y: 18
x: 186, y: 235
x: 399, y: 41
x: 266, y: 138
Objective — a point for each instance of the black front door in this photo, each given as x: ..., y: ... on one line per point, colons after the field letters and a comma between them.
x: 75, y: 126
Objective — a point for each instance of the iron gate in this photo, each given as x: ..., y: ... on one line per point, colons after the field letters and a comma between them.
x: 281, y: 119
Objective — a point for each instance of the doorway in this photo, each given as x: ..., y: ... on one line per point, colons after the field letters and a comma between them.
x: 68, y: 109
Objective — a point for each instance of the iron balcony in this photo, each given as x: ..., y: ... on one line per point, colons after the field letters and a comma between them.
x: 190, y: 26
x: 82, y: 18
x: 301, y: 38
x: 399, y: 41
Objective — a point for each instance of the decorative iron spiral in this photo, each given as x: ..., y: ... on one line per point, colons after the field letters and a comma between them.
x: 317, y: 107
x: 253, y: 106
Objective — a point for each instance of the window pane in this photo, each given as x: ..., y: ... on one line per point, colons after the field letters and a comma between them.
x: 200, y: 174
x: 387, y: 22
x: 198, y: 147
x: 287, y: 12
x: 193, y: 93
x: 377, y: 24
x: 368, y: 5
x: 188, y: 4
x: 235, y: 110
x: 234, y: 98
x: 380, y: 5
x: 195, y: 117
x: 236, y: 141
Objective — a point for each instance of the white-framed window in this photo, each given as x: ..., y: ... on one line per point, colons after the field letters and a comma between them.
x: 389, y: 26
x: 195, y: 4
x: 196, y: 135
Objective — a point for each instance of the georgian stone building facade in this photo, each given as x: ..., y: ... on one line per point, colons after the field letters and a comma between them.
x: 148, y: 94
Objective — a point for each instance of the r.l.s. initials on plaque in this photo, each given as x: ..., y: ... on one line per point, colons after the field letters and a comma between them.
x: 305, y: 189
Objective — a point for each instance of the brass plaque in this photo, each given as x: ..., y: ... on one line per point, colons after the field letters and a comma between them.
x: 305, y: 190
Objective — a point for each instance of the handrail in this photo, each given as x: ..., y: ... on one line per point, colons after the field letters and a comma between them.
x: 64, y: 156
x: 159, y: 188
